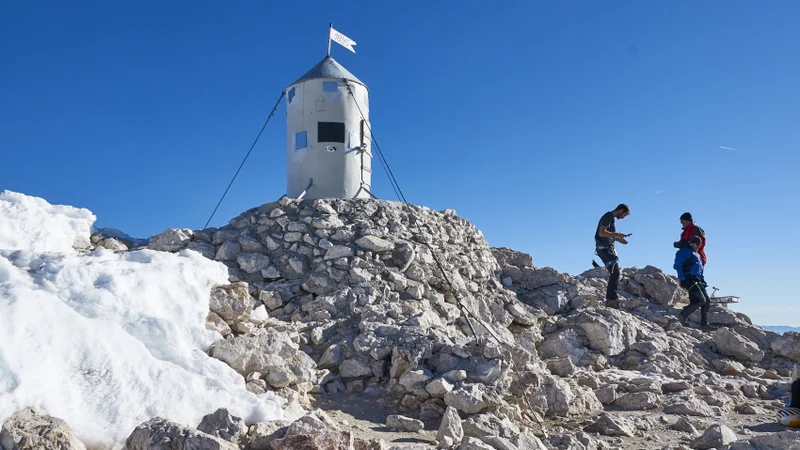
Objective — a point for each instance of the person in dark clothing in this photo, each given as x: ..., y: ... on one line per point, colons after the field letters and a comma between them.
x: 604, y: 238
x: 690, y: 230
x: 690, y: 273
x: 790, y: 415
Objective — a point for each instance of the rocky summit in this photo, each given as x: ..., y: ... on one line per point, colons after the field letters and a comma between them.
x: 386, y: 325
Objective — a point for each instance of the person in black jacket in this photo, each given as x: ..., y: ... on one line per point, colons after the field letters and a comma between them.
x: 604, y: 238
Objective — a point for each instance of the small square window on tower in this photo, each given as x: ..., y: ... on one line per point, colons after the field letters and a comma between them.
x: 330, y: 132
x: 300, y: 140
x: 330, y: 86
x: 290, y: 95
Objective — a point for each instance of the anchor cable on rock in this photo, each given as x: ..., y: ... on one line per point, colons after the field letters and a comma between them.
x: 401, y: 197
x: 272, y: 113
x: 381, y: 158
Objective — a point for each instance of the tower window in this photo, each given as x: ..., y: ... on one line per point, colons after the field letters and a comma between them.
x: 290, y: 95
x: 330, y: 132
x: 300, y: 140
x: 330, y: 86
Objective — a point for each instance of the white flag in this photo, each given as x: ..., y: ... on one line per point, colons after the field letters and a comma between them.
x: 345, y: 41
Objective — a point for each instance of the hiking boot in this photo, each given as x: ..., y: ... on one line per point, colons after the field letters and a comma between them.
x: 612, y: 304
x: 705, y: 326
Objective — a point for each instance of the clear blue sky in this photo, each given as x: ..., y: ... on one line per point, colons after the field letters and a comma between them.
x: 531, y: 119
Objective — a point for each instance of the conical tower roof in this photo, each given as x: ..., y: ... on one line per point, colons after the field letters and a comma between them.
x: 328, y: 68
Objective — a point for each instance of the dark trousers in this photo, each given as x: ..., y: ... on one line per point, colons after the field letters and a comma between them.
x: 610, y: 259
x: 795, y: 403
x: 698, y: 298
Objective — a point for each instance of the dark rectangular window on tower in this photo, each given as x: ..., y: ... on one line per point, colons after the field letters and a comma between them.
x: 330, y: 132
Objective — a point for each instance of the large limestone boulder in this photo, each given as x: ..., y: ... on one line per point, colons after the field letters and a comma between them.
x: 638, y: 401
x: 784, y: 440
x: 403, y: 423
x: 760, y: 337
x: 269, y: 352
x: 607, y: 333
x: 487, y: 424
x: 374, y: 243
x: 510, y: 257
x: 658, y: 286
x: 232, y: 302
x: 469, y: 398
x: 314, y: 431
x: 170, y: 240
x: 552, y: 299
x: 252, y: 262
x: 527, y: 441
x: 788, y: 346
x: 224, y: 426
x: 329, y: 440
x: 553, y: 398
x: 530, y: 278
x: 566, y: 343
x: 731, y: 344
x: 715, y: 436
x: 26, y: 429
x: 612, y: 425
x: 261, y: 435
x: 691, y: 406
x: 161, y: 434
x: 115, y: 245
x: 451, y: 431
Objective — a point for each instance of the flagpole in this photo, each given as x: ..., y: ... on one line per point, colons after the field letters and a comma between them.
x: 330, y: 27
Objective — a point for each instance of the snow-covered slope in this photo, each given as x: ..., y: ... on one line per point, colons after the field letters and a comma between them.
x: 30, y: 223
x: 104, y: 340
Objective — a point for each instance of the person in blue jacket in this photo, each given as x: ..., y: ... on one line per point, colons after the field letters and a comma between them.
x: 690, y: 272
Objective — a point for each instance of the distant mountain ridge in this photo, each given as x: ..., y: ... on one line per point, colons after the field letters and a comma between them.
x: 780, y: 328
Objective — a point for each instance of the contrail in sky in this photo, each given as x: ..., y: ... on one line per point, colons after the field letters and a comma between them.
x: 657, y: 192
x: 722, y: 147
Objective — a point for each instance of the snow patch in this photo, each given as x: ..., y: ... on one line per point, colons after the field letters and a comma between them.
x: 31, y: 223
x: 107, y: 340
x: 259, y: 314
